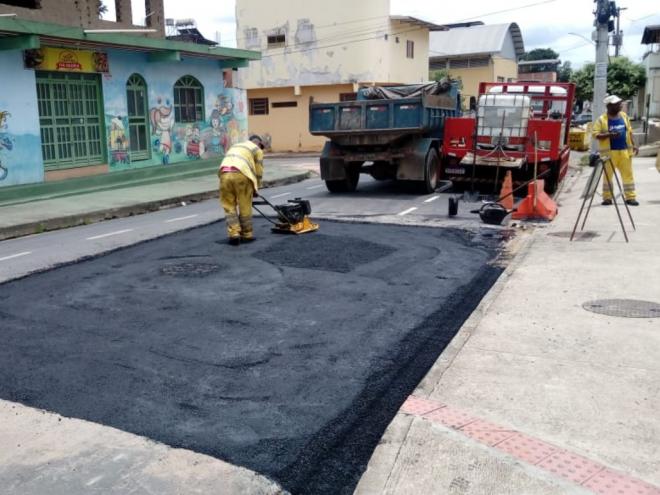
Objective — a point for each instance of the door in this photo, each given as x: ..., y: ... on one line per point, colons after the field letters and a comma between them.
x: 138, y: 118
x: 70, y: 116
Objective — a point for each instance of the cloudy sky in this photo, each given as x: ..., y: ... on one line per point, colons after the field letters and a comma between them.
x: 544, y: 23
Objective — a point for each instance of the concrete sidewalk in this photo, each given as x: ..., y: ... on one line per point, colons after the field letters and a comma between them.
x: 537, y: 395
x: 41, y: 215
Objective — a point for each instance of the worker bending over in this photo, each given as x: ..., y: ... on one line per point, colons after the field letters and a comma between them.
x: 240, y: 179
x: 615, y: 139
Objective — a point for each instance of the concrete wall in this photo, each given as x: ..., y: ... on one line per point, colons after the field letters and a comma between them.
x: 84, y: 13
x: 345, y: 42
x: 287, y: 128
x: 652, y: 65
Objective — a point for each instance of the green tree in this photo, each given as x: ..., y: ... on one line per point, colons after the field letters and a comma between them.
x: 564, y: 72
x: 101, y: 8
x: 624, y: 78
x: 541, y: 54
x: 439, y: 74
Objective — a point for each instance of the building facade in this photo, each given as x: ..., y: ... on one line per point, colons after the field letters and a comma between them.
x: 85, y: 13
x: 324, y: 55
x: 651, y: 38
x: 76, y: 104
x: 477, y: 53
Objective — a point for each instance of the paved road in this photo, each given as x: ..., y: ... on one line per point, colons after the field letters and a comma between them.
x: 288, y: 356
x: 373, y: 202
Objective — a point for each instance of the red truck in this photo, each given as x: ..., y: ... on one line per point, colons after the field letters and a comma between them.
x: 515, y: 126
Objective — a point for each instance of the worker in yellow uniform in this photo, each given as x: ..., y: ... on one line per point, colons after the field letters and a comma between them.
x: 615, y: 138
x: 240, y: 179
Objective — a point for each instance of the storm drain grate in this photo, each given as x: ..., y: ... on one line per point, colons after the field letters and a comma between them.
x: 627, y: 308
x: 190, y: 269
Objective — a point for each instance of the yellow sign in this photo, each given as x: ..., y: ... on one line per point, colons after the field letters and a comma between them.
x: 66, y: 60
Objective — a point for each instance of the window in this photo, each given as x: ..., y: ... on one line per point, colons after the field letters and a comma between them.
x: 251, y: 38
x: 500, y: 79
x: 387, y: 36
x: 396, y: 39
x: 284, y: 104
x: 510, y: 79
x: 258, y: 106
x: 410, y: 49
x: 188, y: 100
x: 347, y: 96
x: 276, y: 40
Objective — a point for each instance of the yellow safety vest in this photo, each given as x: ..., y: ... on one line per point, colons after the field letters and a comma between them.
x: 248, y: 158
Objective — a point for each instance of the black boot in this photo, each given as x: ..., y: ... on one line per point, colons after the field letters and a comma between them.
x: 234, y: 241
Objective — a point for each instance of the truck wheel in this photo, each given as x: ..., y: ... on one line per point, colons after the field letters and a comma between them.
x: 347, y: 185
x: 431, y: 171
x: 552, y: 180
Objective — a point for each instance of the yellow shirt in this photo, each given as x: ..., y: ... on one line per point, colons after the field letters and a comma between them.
x: 248, y: 158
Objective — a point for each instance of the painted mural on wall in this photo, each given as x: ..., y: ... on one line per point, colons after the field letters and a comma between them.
x: 20, y: 144
x: 173, y: 142
x: 6, y: 142
x: 170, y: 142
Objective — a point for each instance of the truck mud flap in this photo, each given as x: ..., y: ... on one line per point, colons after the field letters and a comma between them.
x: 333, y: 166
x: 411, y: 166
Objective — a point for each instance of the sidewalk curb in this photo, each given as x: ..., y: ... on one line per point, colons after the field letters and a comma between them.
x: 127, y: 211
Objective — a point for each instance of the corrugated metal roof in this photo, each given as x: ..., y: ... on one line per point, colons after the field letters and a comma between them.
x: 651, y: 35
x: 418, y: 22
x: 474, y: 40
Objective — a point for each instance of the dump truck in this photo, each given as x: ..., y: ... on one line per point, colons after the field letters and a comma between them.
x: 518, y: 126
x: 391, y: 133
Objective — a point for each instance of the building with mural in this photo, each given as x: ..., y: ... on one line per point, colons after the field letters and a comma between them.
x: 323, y: 55
x: 76, y: 103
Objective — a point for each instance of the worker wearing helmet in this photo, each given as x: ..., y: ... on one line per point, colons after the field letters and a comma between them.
x: 240, y: 178
x: 615, y: 138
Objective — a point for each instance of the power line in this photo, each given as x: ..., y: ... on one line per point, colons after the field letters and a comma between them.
x: 513, y: 9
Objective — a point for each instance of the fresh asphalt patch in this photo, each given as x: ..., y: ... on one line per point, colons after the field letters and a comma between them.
x: 288, y: 356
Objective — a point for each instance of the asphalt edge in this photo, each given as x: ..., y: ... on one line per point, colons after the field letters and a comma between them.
x: 396, y: 433
x: 64, y: 222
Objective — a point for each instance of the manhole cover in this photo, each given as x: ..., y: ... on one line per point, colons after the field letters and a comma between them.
x: 627, y: 308
x: 190, y: 269
x: 340, y: 254
x: 578, y: 235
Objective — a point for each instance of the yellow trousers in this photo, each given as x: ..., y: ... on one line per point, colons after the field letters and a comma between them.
x: 621, y: 161
x: 236, y: 199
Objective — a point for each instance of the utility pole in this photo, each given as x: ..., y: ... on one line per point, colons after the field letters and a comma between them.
x: 617, y: 38
x: 604, y: 10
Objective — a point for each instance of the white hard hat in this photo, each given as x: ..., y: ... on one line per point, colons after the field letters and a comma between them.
x: 612, y: 100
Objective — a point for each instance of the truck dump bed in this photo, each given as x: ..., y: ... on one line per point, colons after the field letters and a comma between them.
x: 391, y: 112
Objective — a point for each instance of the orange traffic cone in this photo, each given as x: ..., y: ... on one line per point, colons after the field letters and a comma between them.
x: 506, y: 194
x: 537, y: 205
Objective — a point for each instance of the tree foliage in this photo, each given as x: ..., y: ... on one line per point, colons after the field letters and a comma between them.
x: 101, y: 8
x: 624, y: 78
x: 564, y: 72
x: 540, y: 54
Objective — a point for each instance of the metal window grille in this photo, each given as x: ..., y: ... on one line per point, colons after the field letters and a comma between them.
x: 188, y: 100
x: 138, y: 118
x: 71, y: 119
x: 258, y: 106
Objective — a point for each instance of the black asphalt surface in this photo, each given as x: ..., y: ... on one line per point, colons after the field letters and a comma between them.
x: 288, y: 356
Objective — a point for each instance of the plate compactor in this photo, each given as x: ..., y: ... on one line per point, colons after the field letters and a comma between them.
x: 292, y: 218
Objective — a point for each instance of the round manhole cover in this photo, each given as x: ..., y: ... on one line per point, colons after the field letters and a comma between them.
x: 190, y: 269
x: 627, y: 308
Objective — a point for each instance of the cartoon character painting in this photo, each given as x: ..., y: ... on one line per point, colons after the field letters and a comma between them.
x: 6, y: 143
x: 118, y: 142
x: 162, y: 125
x: 194, y: 145
x: 217, y: 133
